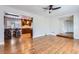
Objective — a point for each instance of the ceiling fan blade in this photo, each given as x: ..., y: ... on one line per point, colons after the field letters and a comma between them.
x: 56, y: 8
x: 46, y: 8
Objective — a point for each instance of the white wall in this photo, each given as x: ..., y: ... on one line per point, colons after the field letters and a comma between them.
x: 1, y: 26
x: 76, y: 26
x: 69, y: 26
x: 40, y: 26
x: 55, y: 25
x: 61, y: 25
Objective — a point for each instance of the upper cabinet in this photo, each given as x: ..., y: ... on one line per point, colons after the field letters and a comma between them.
x: 27, y: 22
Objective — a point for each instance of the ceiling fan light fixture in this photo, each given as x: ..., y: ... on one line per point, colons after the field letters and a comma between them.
x: 50, y: 8
x: 50, y: 11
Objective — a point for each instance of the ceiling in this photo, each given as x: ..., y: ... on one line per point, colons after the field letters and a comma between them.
x: 38, y: 9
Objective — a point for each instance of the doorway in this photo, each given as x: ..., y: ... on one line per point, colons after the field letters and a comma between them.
x: 67, y: 27
x: 17, y: 33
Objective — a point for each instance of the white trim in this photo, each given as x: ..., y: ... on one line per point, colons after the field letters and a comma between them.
x: 38, y: 36
x: 44, y: 35
x: 52, y: 34
x: 1, y: 43
x: 76, y: 38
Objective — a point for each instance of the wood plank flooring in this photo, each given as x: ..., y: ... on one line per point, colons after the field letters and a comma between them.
x: 41, y: 45
x: 55, y: 45
x: 20, y: 45
x: 66, y: 35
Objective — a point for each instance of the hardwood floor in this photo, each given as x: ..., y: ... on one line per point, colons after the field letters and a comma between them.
x: 20, y: 45
x: 66, y: 35
x: 55, y: 45
x: 40, y: 45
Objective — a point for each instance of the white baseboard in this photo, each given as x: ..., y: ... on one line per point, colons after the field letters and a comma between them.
x: 76, y: 37
x: 52, y: 34
x: 38, y: 36
x: 44, y: 35
x: 1, y: 43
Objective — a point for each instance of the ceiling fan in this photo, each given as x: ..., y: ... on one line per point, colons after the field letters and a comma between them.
x: 51, y: 7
